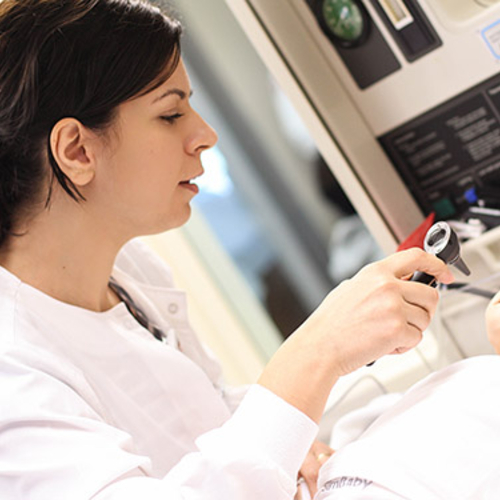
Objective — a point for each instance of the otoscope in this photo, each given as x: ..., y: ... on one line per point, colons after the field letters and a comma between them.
x: 442, y: 242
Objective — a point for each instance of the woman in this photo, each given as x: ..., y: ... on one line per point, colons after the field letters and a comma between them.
x: 99, y: 145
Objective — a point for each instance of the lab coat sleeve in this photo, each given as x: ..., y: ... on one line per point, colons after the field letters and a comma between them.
x: 55, y: 444
x: 233, y: 396
x: 256, y: 454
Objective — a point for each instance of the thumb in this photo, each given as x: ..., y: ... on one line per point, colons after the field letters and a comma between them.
x: 407, y: 262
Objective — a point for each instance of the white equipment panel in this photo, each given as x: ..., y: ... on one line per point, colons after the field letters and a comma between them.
x: 411, y: 127
x: 347, y: 120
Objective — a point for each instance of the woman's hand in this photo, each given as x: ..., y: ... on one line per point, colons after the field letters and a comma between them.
x: 377, y: 312
x: 317, y: 456
x: 493, y: 322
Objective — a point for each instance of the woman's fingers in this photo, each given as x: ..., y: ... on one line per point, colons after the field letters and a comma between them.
x: 317, y: 456
x: 422, y: 297
x: 416, y: 318
x: 417, y: 305
x: 406, y: 263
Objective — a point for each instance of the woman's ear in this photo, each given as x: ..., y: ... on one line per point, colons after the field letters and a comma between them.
x: 72, y: 146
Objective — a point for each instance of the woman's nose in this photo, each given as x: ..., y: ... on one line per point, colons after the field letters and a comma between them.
x: 207, y: 137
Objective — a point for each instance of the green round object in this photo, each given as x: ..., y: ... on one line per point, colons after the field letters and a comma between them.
x: 344, y: 19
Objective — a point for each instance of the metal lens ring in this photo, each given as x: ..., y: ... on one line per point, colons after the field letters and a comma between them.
x: 437, y: 238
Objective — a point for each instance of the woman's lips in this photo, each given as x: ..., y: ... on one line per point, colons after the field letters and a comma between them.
x: 191, y: 186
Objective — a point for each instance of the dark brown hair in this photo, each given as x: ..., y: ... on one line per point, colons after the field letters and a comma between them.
x: 70, y: 58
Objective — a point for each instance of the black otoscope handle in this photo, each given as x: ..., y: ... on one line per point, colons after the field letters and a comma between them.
x: 424, y: 278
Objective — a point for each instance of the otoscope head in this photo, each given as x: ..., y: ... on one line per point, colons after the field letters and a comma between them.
x: 442, y: 242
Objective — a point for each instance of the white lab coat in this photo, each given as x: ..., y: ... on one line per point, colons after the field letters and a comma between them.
x: 92, y: 406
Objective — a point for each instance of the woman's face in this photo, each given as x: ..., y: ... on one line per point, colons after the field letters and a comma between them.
x: 152, y: 155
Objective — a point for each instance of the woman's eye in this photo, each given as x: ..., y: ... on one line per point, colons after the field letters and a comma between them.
x: 172, y: 118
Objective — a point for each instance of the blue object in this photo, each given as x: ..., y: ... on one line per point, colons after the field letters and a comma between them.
x: 471, y: 195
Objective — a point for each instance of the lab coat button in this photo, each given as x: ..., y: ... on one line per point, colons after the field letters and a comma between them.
x: 173, y: 308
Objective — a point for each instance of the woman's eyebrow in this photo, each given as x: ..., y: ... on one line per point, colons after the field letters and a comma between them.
x: 181, y: 93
